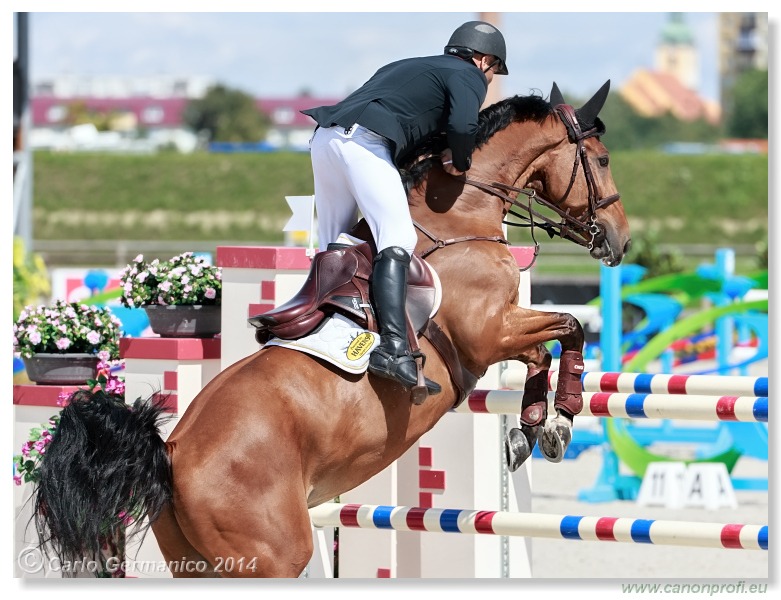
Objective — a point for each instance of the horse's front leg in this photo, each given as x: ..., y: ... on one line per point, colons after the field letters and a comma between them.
x: 568, y: 401
x: 520, y: 441
x: 528, y: 330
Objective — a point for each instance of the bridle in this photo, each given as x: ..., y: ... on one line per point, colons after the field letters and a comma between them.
x: 583, y: 232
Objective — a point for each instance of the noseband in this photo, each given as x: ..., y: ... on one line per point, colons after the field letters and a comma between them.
x: 581, y: 231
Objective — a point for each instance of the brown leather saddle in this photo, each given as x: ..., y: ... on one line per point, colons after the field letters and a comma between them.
x: 338, y: 282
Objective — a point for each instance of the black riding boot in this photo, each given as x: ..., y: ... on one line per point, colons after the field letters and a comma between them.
x: 392, y: 358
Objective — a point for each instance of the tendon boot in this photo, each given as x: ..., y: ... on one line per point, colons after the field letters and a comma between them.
x: 392, y: 359
x: 557, y: 433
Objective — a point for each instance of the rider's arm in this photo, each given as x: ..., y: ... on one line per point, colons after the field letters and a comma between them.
x: 466, y: 93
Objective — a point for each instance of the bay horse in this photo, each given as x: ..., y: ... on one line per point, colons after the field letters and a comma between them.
x: 280, y: 431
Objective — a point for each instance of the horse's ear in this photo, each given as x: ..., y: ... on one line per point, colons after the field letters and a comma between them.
x: 587, y: 113
x: 555, y: 96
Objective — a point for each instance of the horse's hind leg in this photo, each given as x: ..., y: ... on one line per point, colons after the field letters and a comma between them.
x: 181, y: 558
x: 519, y: 442
x: 250, y: 530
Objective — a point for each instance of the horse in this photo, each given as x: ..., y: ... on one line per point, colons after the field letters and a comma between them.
x: 280, y: 431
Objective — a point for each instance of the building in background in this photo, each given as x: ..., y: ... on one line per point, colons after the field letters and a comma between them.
x: 670, y: 87
x: 146, y: 113
x: 676, y: 54
x: 743, y: 45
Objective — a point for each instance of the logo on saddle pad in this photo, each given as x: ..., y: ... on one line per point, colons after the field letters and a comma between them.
x: 360, y: 345
x: 338, y: 341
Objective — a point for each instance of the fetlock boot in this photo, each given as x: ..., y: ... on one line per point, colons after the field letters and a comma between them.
x: 392, y: 359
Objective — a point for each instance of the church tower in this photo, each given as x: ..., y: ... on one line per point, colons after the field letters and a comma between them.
x: 676, y: 53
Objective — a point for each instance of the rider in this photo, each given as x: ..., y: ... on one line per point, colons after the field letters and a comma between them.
x: 359, y: 144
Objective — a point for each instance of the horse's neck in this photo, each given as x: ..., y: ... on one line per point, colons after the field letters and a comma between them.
x: 510, y: 155
x: 442, y: 199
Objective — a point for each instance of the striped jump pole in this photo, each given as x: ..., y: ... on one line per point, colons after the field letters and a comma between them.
x: 633, y: 406
x: 566, y: 527
x: 656, y: 383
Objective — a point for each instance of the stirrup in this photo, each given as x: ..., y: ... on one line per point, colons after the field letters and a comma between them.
x: 389, y: 366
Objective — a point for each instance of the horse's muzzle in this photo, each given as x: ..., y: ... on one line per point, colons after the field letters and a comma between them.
x: 611, y: 252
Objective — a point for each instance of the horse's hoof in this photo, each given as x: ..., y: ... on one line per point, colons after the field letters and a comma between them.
x: 555, y: 438
x: 518, y: 446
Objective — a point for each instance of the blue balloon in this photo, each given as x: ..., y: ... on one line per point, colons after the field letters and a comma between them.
x: 96, y: 280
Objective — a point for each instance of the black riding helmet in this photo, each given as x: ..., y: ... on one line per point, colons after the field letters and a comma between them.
x: 478, y: 36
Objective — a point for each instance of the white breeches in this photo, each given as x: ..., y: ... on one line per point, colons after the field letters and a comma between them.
x: 356, y: 171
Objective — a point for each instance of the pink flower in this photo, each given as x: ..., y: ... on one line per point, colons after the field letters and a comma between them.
x: 26, y: 449
x: 210, y: 293
x: 18, y: 479
x: 35, y: 336
x: 63, y: 343
x: 93, y: 337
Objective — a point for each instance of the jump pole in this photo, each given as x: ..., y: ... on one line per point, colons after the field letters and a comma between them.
x: 633, y: 406
x: 655, y: 383
x: 565, y: 527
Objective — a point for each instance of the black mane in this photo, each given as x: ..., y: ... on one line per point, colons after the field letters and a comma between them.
x: 492, y: 119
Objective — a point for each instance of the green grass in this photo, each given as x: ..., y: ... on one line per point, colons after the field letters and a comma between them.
x: 708, y: 199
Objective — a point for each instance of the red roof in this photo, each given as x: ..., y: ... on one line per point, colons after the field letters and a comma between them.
x: 150, y: 112
x: 654, y: 93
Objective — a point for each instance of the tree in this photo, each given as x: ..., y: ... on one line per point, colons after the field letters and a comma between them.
x: 228, y: 115
x: 749, y: 116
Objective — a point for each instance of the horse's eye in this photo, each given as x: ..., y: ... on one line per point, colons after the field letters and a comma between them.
x: 603, y: 161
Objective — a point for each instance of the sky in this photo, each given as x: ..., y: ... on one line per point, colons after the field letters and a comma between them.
x: 277, y: 54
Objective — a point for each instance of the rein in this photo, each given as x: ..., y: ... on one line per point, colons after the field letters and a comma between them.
x: 582, y: 232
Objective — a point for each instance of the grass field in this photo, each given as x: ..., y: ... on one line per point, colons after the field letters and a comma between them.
x: 704, y: 199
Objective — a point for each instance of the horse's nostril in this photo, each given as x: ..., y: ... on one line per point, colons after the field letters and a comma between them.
x: 627, y: 246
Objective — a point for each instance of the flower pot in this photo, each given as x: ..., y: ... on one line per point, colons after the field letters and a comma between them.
x: 47, y: 368
x: 191, y: 321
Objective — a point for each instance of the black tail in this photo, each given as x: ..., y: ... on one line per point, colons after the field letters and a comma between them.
x: 105, y: 463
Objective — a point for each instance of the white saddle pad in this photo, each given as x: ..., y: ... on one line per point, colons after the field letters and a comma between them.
x: 340, y: 342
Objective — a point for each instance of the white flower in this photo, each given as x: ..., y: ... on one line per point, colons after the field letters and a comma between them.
x: 93, y: 337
